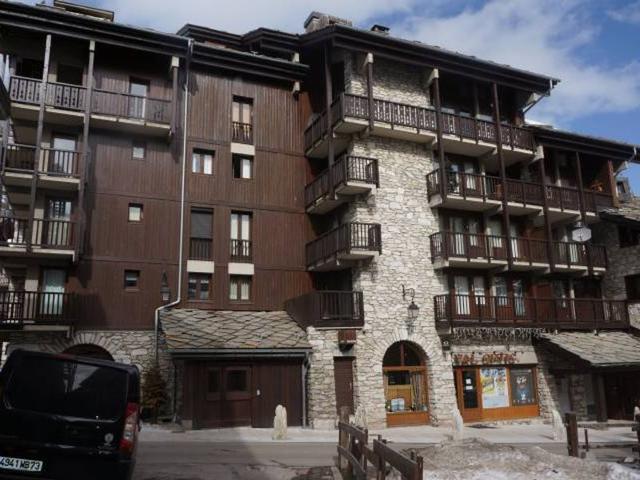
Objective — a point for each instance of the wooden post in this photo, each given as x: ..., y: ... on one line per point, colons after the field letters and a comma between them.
x: 444, y: 180
x: 600, y: 396
x: 583, y: 209
x: 343, y: 463
x: 612, y: 184
x: 83, y: 171
x: 37, y: 153
x: 571, y: 423
x: 548, y: 233
x: 506, y: 221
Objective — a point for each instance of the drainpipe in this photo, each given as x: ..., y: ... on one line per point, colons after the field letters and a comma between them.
x: 305, y: 370
x: 156, y: 324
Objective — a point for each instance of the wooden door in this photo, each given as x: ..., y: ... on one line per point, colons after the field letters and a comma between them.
x: 622, y: 391
x: 223, y: 397
x: 343, y: 373
x: 468, y: 393
x: 276, y: 383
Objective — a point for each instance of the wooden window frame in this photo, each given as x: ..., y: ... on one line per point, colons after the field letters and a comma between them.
x: 138, y: 144
x: 129, y: 288
x: 133, y: 205
x: 199, y: 278
x: 201, y: 152
x: 239, y: 278
x: 237, y: 157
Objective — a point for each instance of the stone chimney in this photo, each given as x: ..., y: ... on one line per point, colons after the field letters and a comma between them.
x: 318, y: 20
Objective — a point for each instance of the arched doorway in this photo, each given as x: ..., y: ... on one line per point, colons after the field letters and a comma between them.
x: 89, y: 350
x: 405, y: 385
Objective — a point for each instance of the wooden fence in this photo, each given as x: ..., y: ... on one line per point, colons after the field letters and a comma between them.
x: 354, y: 455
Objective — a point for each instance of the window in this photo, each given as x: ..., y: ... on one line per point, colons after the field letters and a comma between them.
x: 138, y: 150
x: 523, y: 387
x: 201, y: 234
x: 632, y: 284
x: 138, y: 92
x: 240, y: 288
x: 240, y: 235
x: 502, y: 292
x: 131, y: 279
x: 237, y: 381
x: 628, y: 236
x: 135, y: 212
x: 202, y: 162
x: 29, y: 67
x: 242, y: 166
x: 199, y: 285
x: 63, y: 157
x: 69, y: 74
x: 242, y: 119
x: 213, y: 381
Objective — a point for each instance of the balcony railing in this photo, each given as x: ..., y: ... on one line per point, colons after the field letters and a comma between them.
x: 420, y: 118
x: 47, y: 233
x: 487, y: 187
x: 39, y: 308
x: 478, y: 246
x: 327, y: 309
x: 347, y: 169
x: 345, y: 239
x: 514, y: 311
x: 200, y: 249
x: 241, y: 250
x: 242, y: 132
x: 22, y: 158
x: 73, y: 97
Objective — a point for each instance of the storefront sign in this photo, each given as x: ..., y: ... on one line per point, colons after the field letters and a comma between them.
x: 493, y: 358
x: 494, y: 387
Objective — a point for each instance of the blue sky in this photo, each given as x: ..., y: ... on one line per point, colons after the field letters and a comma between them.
x: 593, y: 46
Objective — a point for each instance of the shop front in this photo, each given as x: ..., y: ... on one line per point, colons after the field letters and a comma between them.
x: 497, y: 385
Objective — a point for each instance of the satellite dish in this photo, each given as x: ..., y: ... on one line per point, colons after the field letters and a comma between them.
x: 582, y: 234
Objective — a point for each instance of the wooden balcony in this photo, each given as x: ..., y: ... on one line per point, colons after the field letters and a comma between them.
x: 5, y: 102
x: 524, y: 312
x: 477, y: 192
x: 66, y: 104
x: 41, y: 311
x: 327, y: 309
x: 472, y: 250
x: 241, y: 251
x: 242, y: 133
x: 340, y: 247
x: 48, y: 238
x: 57, y: 169
x: 200, y: 249
x: 469, y: 136
x: 347, y: 177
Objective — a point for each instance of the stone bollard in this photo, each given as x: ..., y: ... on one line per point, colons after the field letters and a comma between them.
x: 360, y: 418
x: 457, y: 428
x: 280, y: 424
x: 559, y: 430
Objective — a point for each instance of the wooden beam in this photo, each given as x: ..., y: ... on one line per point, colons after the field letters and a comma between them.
x: 503, y: 174
x: 545, y: 210
x: 37, y: 153
x: 86, y: 151
x: 583, y: 210
x: 612, y: 183
x: 444, y: 180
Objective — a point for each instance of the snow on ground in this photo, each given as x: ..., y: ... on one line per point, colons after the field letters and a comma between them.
x: 475, y: 459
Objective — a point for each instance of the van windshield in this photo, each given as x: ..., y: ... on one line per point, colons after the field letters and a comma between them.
x: 67, y: 388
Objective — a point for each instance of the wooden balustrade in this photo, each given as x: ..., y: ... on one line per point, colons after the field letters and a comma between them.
x: 327, y: 309
x: 514, y: 311
x: 446, y: 245
x: 242, y: 132
x: 47, y: 233
x: 241, y: 250
x: 200, y: 249
x: 18, y: 307
x: 348, y: 168
x: 60, y: 163
x: 344, y: 239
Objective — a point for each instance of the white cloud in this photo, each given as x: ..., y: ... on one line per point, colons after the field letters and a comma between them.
x: 628, y: 14
x: 543, y: 36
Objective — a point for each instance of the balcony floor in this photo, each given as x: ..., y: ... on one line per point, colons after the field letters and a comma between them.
x: 342, y: 261
x: 475, y: 263
x: 53, y: 182
x: 21, y: 251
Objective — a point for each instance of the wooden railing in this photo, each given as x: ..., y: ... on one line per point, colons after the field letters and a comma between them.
x: 200, y: 249
x: 445, y: 245
x: 62, y: 163
x: 348, y: 168
x: 73, y: 97
x: 327, y: 309
x: 47, y: 233
x: 420, y: 118
x: 241, y: 250
x: 514, y: 311
x: 242, y: 132
x: 574, y: 253
x: 344, y: 239
x: 476, y: 185
x: 18, y: 307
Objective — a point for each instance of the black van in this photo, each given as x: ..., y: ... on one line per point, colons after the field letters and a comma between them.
x: 67, y: 417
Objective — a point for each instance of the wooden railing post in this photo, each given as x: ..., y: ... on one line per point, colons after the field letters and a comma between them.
x: 571, y: 424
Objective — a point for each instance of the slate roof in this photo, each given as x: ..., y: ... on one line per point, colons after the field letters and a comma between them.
x: 607, y: 349
x: 629, y: 210
x: 192, y: 329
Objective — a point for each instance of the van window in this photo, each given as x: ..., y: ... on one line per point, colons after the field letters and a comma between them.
x: 67, y: 388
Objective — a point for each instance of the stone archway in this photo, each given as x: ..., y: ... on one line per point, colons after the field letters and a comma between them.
x: 89, y: 350
x: 404, y: 370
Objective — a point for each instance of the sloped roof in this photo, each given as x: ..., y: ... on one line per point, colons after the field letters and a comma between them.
x: 607, y: 349
x: 209, y: 330
x: 628, y: 211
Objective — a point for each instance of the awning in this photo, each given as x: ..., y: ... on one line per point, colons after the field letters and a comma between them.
x: 604, y: 350
x: 225, y: 333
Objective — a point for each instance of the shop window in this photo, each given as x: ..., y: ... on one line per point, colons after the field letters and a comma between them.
x: 405, y: 384
x: 523, y: 387
x: 494, y: 387
x: 632, y: 285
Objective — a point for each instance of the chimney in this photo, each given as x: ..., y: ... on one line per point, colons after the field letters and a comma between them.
x: 381, y: 29
x: 318, y: 20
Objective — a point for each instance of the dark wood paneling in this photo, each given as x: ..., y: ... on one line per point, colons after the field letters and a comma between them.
x: 343, y: 374
x: 280, y: 383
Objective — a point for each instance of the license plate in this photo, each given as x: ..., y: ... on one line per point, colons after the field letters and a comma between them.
x: 21, y: 464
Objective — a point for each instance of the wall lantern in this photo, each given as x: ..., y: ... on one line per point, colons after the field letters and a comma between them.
x: 412, y: 309
x: 165, y: 291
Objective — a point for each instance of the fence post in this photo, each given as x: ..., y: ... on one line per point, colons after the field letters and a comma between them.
x: 343, y: 463
x: 571, y: 423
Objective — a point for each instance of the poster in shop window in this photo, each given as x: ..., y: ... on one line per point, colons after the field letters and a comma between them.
x: 522, y: 387
x: 494, y: 387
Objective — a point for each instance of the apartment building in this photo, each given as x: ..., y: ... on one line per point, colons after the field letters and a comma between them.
x: 319, y: 220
